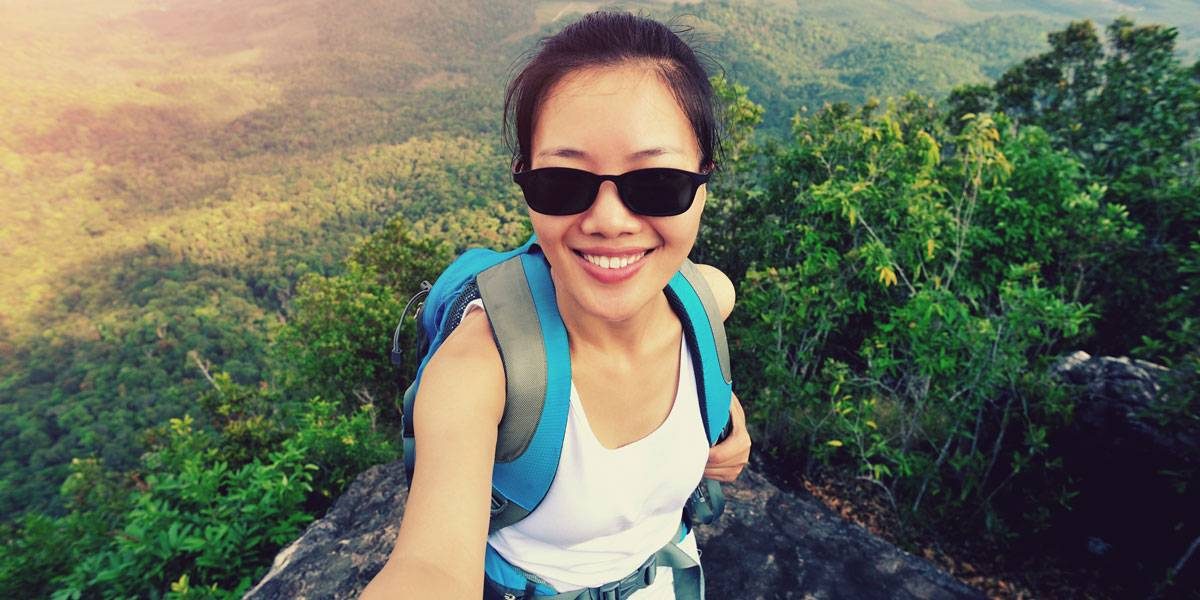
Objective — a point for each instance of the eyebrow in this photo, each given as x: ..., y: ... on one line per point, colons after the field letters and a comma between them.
x: 567, y: 152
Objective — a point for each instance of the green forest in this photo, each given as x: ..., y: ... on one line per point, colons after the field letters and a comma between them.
x: 214, y: 218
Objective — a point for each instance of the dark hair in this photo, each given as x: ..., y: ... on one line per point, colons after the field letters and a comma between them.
x: 602, y: 39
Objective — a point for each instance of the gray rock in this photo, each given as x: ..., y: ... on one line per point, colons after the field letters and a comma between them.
x: 339, y: 554
x: 1116, y: 394
x: 1132, y: 383
x: 1136, y: 480
x: 775, y: 544
x: 768, y: 544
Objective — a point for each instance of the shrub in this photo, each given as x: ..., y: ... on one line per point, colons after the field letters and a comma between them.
x: 905, y: 288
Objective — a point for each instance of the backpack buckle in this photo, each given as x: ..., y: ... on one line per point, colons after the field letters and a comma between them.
x: 499, y: 503
x: 649, y: 572
x: 609, y: 591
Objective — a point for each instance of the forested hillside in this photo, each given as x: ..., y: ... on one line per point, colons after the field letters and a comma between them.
x: 214, y: 213
x: 176, y: 194
x: 159, y: 143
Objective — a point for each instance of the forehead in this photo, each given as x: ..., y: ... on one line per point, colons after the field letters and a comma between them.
x: 613, y: 111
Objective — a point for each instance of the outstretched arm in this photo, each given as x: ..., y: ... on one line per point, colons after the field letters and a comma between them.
x: 439, y: 551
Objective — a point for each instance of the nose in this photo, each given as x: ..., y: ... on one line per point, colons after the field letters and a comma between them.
x: 608, y: 216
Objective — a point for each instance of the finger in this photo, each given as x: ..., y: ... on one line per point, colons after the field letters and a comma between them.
x: 717, y: 454
x: 721, y: 475
x: 726, y: 475
x: 737, y: 441
x: 734, y: 450
x: 731, y: 462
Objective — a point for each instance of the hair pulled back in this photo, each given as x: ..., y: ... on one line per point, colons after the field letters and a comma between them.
x: 603, y: 39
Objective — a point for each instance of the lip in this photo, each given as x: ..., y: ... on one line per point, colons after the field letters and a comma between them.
x: 610, y: 251
x: 611, y: 276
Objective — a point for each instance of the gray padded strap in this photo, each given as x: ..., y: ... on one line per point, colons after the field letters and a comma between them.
x: 696, y: 278
x: 688, y: 574
x: 509, y: 306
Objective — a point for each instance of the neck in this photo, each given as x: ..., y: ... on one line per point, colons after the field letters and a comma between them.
x: 626, y: 338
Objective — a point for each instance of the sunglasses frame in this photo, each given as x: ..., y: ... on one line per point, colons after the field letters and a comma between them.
x: 522, y: 178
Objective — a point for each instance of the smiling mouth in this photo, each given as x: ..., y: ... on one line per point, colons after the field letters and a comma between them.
x: 612, y: 262
x: 612, y: 269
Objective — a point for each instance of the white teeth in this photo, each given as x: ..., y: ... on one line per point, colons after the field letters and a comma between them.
x: 613, y: 262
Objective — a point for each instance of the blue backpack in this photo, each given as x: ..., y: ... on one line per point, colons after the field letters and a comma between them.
x: 518, y: 296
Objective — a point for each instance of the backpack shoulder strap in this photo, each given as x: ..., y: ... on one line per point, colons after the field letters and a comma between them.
x: 440, y: 314
x: 704, y: 332
x: 518, y: 296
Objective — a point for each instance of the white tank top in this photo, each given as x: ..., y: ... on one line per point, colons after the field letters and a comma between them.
x: 609, y: 509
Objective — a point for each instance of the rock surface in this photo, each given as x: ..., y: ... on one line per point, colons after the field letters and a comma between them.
x: 1117, y: 391
x: 775, y: 544
x: 1137, y: 483
x: 768, y: 544
x: 339, y: 554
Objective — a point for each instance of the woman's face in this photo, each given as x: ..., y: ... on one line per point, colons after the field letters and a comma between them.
x: 612, y: 120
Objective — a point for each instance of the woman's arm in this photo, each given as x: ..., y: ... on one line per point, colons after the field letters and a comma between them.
x: 727, y: 459
x: 440, y: 548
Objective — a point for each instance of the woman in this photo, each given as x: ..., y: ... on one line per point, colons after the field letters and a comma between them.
x: 609, y: 94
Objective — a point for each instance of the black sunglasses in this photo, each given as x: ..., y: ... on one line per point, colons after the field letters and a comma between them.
x: 657, y: 192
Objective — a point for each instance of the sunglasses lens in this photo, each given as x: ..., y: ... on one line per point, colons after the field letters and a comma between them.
x: 658, y: 192
x: 555, y: 191
x: 650, y: 192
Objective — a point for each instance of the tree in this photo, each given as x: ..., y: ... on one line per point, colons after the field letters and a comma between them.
x: 1129, y: 111
x: 339, y: 333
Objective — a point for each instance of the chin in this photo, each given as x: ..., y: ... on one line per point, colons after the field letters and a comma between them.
x: 616, y: 309
x: 614, y: 301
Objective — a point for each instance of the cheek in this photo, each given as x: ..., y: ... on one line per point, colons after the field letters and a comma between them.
x: 551, y: 231
x: 679, y: 233
x: 543, y: 226
x: 684, y: 228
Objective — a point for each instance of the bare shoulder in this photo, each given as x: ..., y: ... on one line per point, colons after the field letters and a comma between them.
x: 721, y: 287
x: 469, y: 365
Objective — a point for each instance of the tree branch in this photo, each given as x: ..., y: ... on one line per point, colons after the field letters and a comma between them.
x: 195, y: 356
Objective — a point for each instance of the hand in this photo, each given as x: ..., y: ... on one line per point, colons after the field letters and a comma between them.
x: 727, y: 459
